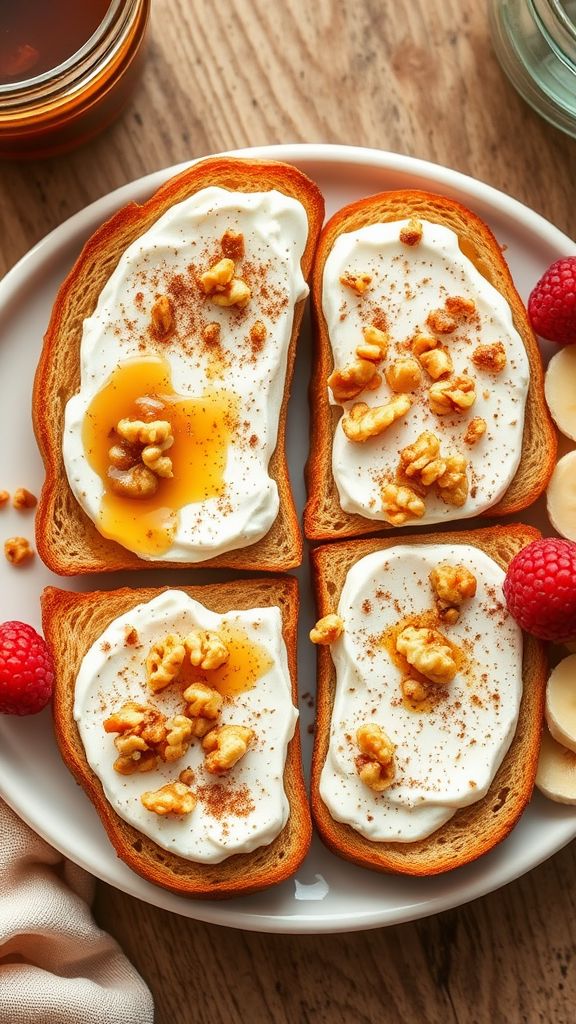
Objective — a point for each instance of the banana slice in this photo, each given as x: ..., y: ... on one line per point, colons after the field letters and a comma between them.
x: 561, y: 702
x: 556, y: 775
x: 560, y: 390
x: 561, y: 496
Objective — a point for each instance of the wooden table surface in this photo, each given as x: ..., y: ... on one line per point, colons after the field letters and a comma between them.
x: 417, y: 77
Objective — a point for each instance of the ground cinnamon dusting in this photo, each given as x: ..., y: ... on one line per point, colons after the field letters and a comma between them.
x: 226, y: 801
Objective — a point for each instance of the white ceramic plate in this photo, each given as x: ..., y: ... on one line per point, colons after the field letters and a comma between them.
x: 328, y: 894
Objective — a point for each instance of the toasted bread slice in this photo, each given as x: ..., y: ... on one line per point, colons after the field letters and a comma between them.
x: 67, y: 540
x: 475, y: 829
x: 324, y: 519
x: 72, y: 622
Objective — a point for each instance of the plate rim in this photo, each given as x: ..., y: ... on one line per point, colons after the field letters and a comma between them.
x: 327, y: 154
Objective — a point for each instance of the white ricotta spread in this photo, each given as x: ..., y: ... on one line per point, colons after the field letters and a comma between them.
x: 408, y: 282
x: 112, y: 673
x: 447, y: 756
x: 185, y: 242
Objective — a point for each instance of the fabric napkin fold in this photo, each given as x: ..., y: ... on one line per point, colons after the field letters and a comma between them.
x: 56, y: 965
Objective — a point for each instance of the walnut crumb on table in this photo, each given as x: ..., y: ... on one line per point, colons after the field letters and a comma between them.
x: 18, y: 550
x: 22, y: 499
x: 4, y: 497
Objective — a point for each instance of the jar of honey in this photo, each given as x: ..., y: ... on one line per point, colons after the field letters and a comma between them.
x: 67, y: 68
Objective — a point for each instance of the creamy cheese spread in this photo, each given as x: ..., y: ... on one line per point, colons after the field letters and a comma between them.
x: 240, y: 380
x: 407, y: 283
x: 446, y: 754
x: 235, y: 813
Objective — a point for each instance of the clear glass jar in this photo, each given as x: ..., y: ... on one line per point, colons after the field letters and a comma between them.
x: 67, y: 105
x: 535, y: 41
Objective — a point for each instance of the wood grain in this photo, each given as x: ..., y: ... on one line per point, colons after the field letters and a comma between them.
x: 417, y: 77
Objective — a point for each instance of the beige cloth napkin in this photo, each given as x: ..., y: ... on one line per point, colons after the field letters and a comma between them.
x: 56, y: 965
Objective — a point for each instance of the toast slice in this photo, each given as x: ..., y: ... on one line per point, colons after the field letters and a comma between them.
x: 72, y: 622
x: 474, y: 829
x: 324, y: 519
x: 67, y: 539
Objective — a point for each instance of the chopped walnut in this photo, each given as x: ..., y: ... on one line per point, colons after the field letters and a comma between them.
x: 375, y: 344
x: 162, y: 318
x: 135, y: 482
x: 4, y: 498
x: 453, y: 484
x: 440, y: 321
x: 258, y: 334
x: 327, y: 630
x: 232, y: 244
x: 428, y: 651
x: 206, y: 649
x: 437, y: 362
x: 128, y: 764
x: 375, y: 765
x: 411, y: 233
x: 475, y: 430
x: 362, y: 422
x: 141, y: 729
x: 404, y: 375
x: 174, y: 798
x: 352, y: 379
x: 154, y: 439
x: 18, y: 550
x: 237, y: 293
x: 358, y: 283
x: 453, y: 395
x: 22, y: 499
x: 422, y: 343
x: 459, y: 306
x: 218, y: 277
x: 211, y: 333
x: 165, y: 661
x: 490, y: 357
x: 422, y: 460
x: 203, y: 707
x: 225, y: 745
x: 179, y: 732
x: 414, y: 690
x: 400, y: 503
x: 452, y: 585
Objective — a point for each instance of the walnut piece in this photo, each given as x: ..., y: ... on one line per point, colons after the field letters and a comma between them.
x: 155, y: 437
x: 400, y: 503
x: 141, y: 729
x: 135, y: 482
x: 362, y: 422
x: 223, y: 287
x: 452, y: 585
x: 428, y: 651
x: 490, y: 357
x: 404, y: 375
x: 203, y: 707
x: 225, y: 745
x: 237, y: 293
x: 375, y: 344
x: 179, y: 732
x: 327, y: 630
x: 138, y: 459
x: 206, y: 649
x: 164, y: 661
x: 258, y: 334
x: 232, y: 244
x: 375, y: 765
x: 358, y: 283
x: 414, y: 690
x: 4, y: 498
x: 460, y: 306
x: 422, y: 460
x: 475, y: 430
x: 174, y: 798
x: 162, y: 317
x: 23, y: 499
x: 441, y: 322
x: 411, y: 233
x: 352, y: 379
x: 437, y: 363
x: 453, y: 395
x: 211, y: 333
x: 18, y: 550
x: 453, y: 484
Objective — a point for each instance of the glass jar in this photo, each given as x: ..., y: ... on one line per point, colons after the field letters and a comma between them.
x: 67, y: 105
x: 535, y: 41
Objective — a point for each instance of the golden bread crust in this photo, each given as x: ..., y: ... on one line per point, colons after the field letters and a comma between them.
x: 71, y: 623
x: 67, y: 540
x: 476, y: 829
x: 324, y: 519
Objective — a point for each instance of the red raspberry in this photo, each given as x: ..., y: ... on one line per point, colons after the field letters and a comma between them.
x: 26, y: 670
x: 540, y: 589
x: 552, y: 303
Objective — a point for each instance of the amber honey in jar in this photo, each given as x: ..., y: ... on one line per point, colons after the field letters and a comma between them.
x: 67, y: 68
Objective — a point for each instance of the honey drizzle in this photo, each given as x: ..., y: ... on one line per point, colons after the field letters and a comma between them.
x: 248, y: 662
x: 202, y: 428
